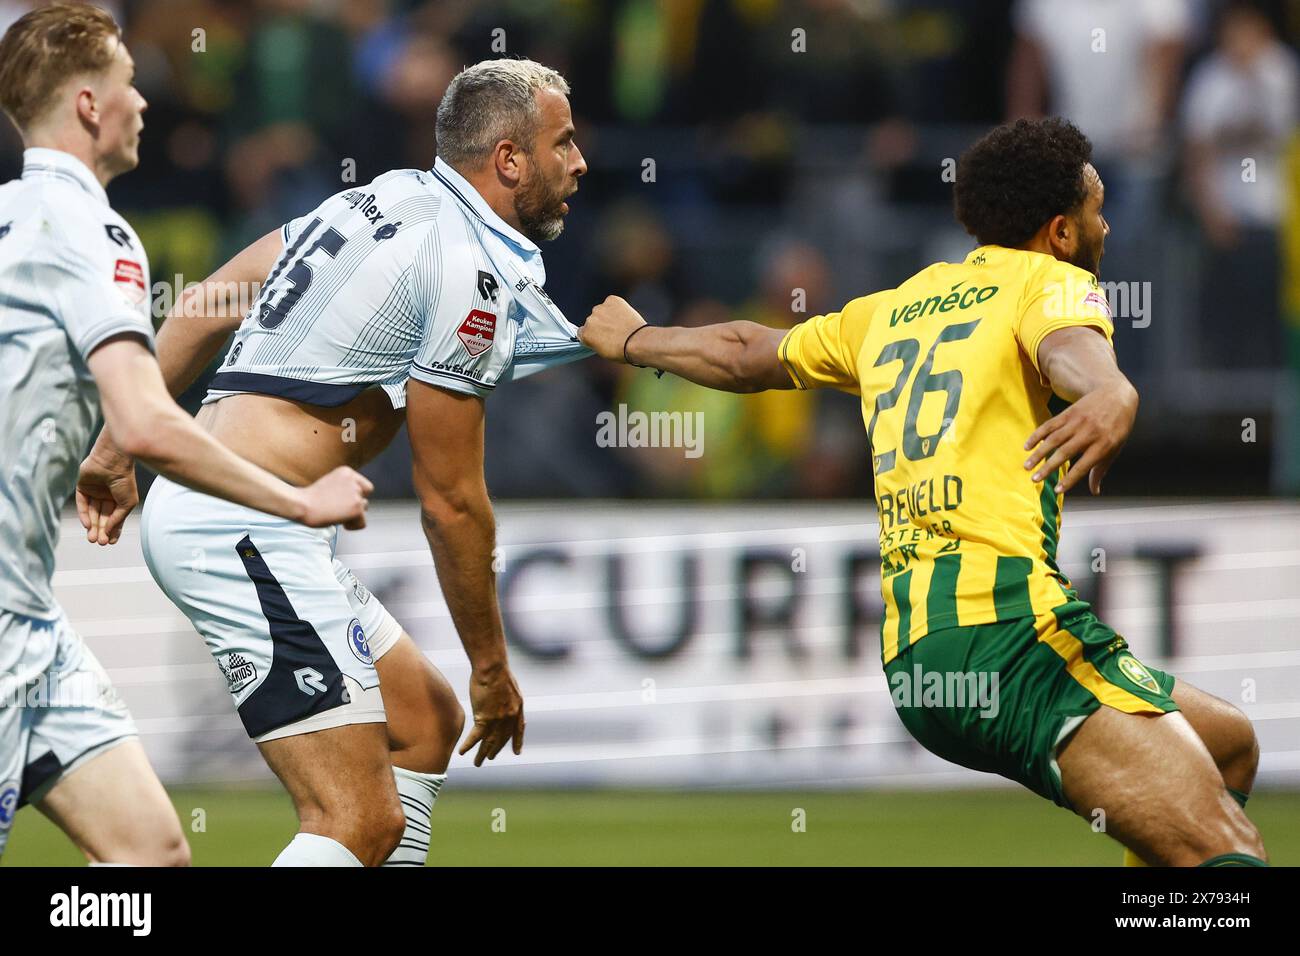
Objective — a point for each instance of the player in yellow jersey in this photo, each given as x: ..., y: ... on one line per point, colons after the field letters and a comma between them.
x: 961, y: 370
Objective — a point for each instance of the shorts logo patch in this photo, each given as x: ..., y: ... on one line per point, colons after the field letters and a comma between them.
x: 1134, y: 671
x: 477, y: 332
x: 8, y: 804
x: 358, y: 643
x: 359, y: 589
x: 238, y: 670
x: 129, y: 278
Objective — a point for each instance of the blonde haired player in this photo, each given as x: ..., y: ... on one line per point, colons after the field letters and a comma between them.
x: 961, y: 370
x: 75, y: 310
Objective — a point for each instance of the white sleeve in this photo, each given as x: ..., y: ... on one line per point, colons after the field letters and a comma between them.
x: 466, y: 344
x: 545, y: 340
x: 290, y: 230
x: 99, y: 285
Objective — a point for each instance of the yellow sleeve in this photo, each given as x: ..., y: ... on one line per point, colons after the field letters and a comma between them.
x: 1058, y: 297
x: 823, y: 351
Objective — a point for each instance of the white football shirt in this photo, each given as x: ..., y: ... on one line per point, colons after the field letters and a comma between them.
x: 410, y: 276
x: 72, y: 274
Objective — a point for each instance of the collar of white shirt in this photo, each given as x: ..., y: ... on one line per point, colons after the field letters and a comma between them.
x: 471, y: 197
x: 54, y: 163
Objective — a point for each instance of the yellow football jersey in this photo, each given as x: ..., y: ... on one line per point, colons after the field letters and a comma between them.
x: 947, y: 367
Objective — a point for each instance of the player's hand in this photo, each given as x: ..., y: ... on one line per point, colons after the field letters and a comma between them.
x: 106, y: 494
x: 498, y: 714
x: 338, y: 498
x: 608, y: 327
x: 1090, y: 433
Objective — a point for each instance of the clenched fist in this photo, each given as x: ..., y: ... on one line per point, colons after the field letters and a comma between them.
x: 608, y: 327
x: 338, y: 498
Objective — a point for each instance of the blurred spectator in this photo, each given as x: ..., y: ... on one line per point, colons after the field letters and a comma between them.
x: 1110, y: 66
x: 754, y: 445
x: 11, y: 10
x: 1240, y: 111
x: 295, y: 121
x: 828, y: 119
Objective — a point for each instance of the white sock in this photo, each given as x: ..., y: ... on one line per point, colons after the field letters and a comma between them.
x: 417, y: 792
x: 312, y: 849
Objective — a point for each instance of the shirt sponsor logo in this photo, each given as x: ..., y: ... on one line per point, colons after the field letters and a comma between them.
x: 365, y: 204
x: 468, y: 371
x: 129, y: 277
x: 527, y: 281
x: 971, y: 295
x: 477, y: 332
x: 1098, y: 302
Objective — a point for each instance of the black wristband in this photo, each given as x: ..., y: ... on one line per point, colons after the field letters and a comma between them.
x: 629, y: 339
x: 659, y: 373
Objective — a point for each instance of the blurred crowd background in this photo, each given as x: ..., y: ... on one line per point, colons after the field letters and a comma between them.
x: 802, y: 154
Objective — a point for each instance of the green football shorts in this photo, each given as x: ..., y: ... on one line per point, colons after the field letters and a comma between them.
x: 1003, y: 697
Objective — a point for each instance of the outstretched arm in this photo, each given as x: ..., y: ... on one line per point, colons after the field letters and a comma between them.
x: 1080, y: 365
x: 730, y: 356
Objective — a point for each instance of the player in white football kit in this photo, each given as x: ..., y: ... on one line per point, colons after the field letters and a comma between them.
x: 75, y: 330
x: 407, y: 299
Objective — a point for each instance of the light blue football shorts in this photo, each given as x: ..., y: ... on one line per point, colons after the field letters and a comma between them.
x: 294, y: 632
x: 58, y: 709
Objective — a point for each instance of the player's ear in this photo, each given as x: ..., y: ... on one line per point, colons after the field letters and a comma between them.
x: 508, y: 160
x: 1061, y: 236
x: 87, y: 106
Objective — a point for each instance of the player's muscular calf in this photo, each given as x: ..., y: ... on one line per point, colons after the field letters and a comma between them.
x: 1162, y: 795
x: 1226, y: 732
x: 425, y: 720
x: 342, y: 787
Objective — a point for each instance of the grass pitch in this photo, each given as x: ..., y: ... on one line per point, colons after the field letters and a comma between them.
x: 577, y: 828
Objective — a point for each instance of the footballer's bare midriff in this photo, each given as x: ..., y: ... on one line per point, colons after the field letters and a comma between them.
x: 298, y: 442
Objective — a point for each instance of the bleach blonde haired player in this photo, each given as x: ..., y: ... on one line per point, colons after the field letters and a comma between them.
x: 407, y: 300
x: 963, y: 370
x: 75, y: 310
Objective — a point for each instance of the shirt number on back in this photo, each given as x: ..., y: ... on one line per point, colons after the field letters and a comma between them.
x: 300, y: 275
x: 915, y: 446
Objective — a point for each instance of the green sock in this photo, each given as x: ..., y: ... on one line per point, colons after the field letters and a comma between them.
x: 1240, y: 797
x: 1234, y: 859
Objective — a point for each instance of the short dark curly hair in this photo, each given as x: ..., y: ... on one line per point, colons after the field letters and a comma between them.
x: 1017, y: 177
